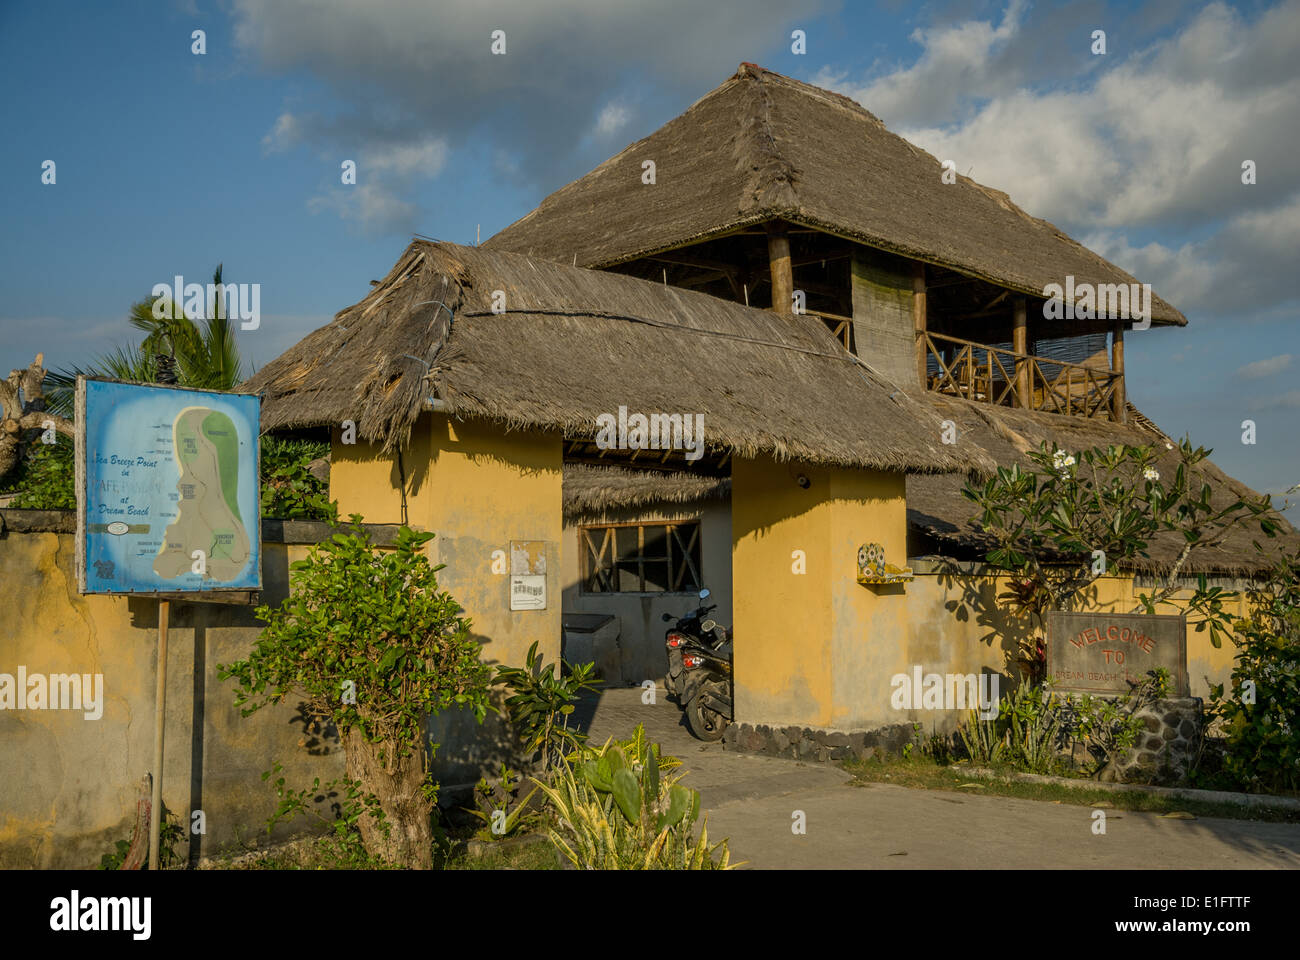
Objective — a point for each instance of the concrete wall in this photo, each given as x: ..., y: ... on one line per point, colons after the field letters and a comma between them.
x: 883, y: 328
x: 641, y: 637
x: 477, y: 488
x: 70, y: 784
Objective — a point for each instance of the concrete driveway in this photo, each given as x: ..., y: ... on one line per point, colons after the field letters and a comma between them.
x: 752, y: 800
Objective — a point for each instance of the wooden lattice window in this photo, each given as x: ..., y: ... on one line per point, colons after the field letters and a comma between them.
x: 641, y: 557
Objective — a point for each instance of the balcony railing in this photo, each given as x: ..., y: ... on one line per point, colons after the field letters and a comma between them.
x: 995, y: 375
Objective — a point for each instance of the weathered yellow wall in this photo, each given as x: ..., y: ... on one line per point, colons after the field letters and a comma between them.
x: 821, y: 650
x: 869, y: 507
x: 477, y: 488
x: 69, y: 784
x: 805, y: 640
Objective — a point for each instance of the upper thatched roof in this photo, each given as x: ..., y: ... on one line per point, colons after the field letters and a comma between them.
x: 763, y: 146
x: 576, y: 343
x: 936, y: 507
x: 590, y: 490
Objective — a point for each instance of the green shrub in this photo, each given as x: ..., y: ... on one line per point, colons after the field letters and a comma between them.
x: 503, y: 808
x: 368, y: 641
x: 619, y: 811
x: 289, y: 490
x: 45, y: 477
x: 1260, y: 716
x: 541, y: 703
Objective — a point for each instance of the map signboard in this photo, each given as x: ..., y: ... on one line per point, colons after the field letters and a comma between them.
x: 167, y: 489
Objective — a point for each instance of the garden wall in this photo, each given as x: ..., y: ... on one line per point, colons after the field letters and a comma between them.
x: 945, y: 621
x: 69, y: 784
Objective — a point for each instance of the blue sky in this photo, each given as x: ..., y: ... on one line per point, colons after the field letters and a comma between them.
x: 169, y: 162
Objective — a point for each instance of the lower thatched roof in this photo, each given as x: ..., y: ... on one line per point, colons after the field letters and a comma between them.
x: 573, y: 344
x: 590, y: 490
x: 936, y: 507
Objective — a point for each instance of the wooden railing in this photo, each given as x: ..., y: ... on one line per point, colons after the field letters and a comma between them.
x: 841, y: 327
x: 987, y: 374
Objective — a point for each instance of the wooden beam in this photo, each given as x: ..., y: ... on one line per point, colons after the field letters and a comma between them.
x: 701, y: 280
x: 778, y: 258
x: 1020, y: 343
x: 837, y: 253
x: 1119, y: 399
x: 707, y: 263
x: 919, y: 319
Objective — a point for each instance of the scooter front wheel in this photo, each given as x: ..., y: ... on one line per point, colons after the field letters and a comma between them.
x: 706, y: 724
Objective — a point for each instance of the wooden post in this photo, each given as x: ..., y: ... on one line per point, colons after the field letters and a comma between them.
x: 1119, y: 408
x: 1020, y: 343
x: 160, y: 713
x: 919, y: 318
x: 778, y: 255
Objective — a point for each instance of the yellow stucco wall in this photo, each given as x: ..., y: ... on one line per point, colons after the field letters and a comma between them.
x: 821, y: 650
x: 802, y: 639
x: 477, y: 488
x: 69, y: 783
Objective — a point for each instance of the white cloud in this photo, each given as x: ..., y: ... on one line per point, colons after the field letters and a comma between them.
x: 1265, y: 368
x: 285, y: 134
x: 425, y: 158
x: 373, y: 207
x: 612, y: 119
x: 392, y: 70
x: 1245, y: 266
x: 1151, y: 137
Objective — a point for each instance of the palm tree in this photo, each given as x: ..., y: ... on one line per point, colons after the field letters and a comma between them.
x: 205, y: 353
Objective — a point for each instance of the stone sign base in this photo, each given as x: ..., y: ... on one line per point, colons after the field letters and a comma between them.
x: 805, y: 743
x: 1166, y: 745
x: 1163, y: 752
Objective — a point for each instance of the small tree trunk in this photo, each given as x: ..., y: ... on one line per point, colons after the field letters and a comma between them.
x: 410, y: 838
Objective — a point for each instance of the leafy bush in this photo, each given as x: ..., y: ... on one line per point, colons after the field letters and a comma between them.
x: 1061, y: 522
x: 541, y: 704
x: 1036, y: 728
x: 618, y: 811
x: 502, y: 809
x: 45, y: 477
x: 371, y: 644
x: 289, y: 490
x: 1259, y: 716
x: 347, y: 807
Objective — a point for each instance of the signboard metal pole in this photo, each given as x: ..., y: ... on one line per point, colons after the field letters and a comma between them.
x: 160, y: 712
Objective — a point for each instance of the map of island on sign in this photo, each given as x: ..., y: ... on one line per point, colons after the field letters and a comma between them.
x: 168, y: 489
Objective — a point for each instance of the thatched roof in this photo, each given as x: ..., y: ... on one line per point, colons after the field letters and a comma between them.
x: 573, y: 344
x: 590, y: 490
x: 936, y: 507
x: 763, y: 146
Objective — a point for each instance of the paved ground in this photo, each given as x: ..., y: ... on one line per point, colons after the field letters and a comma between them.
x: 751, y: 800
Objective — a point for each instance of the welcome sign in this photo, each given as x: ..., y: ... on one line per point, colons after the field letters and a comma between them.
x: 1108, y: 652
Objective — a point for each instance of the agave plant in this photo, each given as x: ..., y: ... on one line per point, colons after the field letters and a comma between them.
x: 619, y: 813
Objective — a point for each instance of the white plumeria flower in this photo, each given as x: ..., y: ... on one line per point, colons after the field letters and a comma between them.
x: 1168, y: 445
x: 1151, y: 473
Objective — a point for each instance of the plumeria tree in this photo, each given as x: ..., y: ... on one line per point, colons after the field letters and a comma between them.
x: 1066, y: 520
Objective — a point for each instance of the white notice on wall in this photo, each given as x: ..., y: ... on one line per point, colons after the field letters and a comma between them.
x: 527, y: 574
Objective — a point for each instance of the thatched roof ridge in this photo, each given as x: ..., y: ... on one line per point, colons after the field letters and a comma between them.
x: 936, y: 507
x: 590, y: 490
x: 573, y: 344
x: 764, y: 146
